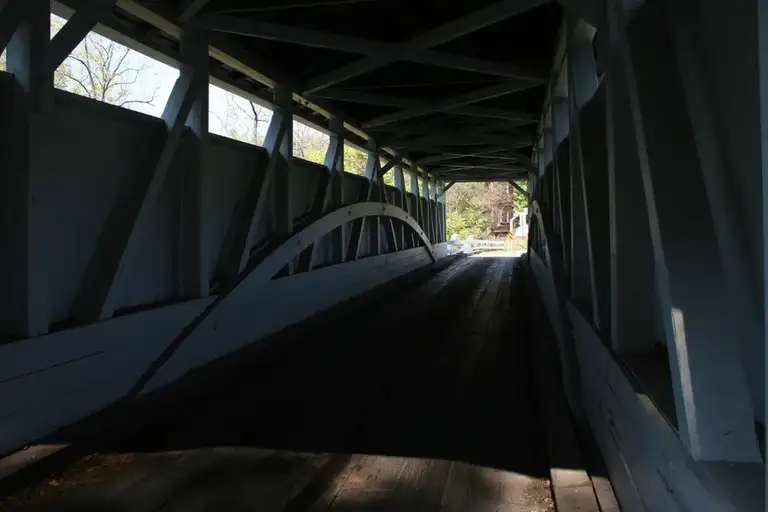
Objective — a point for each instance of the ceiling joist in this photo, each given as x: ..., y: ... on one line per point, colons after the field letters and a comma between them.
x: 478, y: 95
x: 421, y: 44
x: 391, y: 52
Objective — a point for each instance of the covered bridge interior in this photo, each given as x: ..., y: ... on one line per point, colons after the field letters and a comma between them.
x: 189, y: 322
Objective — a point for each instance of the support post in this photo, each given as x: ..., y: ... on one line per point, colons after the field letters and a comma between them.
x: 582, y: 81
x: 325, y: 198
x: 336, y: 190
x: 193, y: 256
x: 26, y: 29
x: 416, y: 191
x: 582, y: 281
x: 374, y: 194
x: 728, y: 182
x: 249, y: 210
x: 389, y: 225
x: 101, y: 286
x: 28, y: 52
x: 426, y: 215
x: 401, y: 202
x: 633, y: 308
x: 714, y: 414
x: 282, y: 211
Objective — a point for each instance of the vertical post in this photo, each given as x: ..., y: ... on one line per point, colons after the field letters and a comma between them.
x: 426, y: 217
x: 433, y: 210
x: 730, y: 185
x: 441, y: 211
x: 374, y: 194
x: 582, y: 79
x: 27, y: 57
x: 335, y: 164
x: 401, y: 201
x: 559, y: 130
x: 762, y: 30
x: 582, y: 279
x: 714, y: 414
x: 25, y: 313
x: 282, y: 212
x: 193, y: 254
x: 416, y: 191
x: 633, y: 294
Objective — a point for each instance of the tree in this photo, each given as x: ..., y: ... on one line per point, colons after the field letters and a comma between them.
x: 308, y: 143
x: 467, y: 212
x: 243, y: 118
x: 101, y: 69
x: 472, y: 208
x: 354, y: 160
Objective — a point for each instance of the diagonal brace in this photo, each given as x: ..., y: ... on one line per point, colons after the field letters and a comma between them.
x: 76, y: 29
x: 100, y: 287
x: 247, y: 214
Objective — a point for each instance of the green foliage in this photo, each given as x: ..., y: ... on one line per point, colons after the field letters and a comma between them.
x: 389, y: 178
x: 354, y: 160
x: 466, y: 213
x: 470, y: 207
x: 519, y: 201
x: 313, y: 154
x: 2, y: 61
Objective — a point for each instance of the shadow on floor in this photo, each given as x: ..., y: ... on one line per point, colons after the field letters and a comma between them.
x: 434, y: 385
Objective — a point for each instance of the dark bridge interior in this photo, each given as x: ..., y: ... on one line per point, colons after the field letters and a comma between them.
x: 457, y: 86
x: 195, y: 320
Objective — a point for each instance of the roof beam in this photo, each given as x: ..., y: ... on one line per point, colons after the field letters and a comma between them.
x: 297, y: 5
x: 190, y: 9
x: 472, y: 22
x: 455, y: 156
x: 435, y: 132
x: 374, y: 49
x: 384, y: 100
x: 487, y: 166
x: 480, y: 175
x: 486, y: 93
x: 513, y: 151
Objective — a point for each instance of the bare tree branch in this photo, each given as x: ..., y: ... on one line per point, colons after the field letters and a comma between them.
x: 106, y: 72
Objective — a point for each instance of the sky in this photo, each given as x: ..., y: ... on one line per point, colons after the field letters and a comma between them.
x: 159, y: 78
x: 229, y: 114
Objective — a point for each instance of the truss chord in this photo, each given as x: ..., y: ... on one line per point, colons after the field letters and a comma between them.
x: 287, y: 6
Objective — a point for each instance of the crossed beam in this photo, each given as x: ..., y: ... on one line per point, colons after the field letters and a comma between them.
x: 384, y: 100
x: 380, y: 54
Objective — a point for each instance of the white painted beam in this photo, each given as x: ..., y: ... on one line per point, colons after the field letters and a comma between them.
x: 714, y: 415
x: 101, y: 286
x: 249, y: 211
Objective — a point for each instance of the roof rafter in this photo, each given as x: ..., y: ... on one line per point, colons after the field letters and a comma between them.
x: 390, y: 52
x: 478, y: 95
x: 420, y: 44
x: 384, y: 100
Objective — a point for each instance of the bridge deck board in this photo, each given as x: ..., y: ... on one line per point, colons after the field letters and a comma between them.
x: 432, y: 389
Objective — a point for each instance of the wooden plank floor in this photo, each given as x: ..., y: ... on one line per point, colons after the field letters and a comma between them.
x: 423, y: 403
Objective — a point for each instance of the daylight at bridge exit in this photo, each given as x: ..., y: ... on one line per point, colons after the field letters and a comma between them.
x: 390, y: 255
